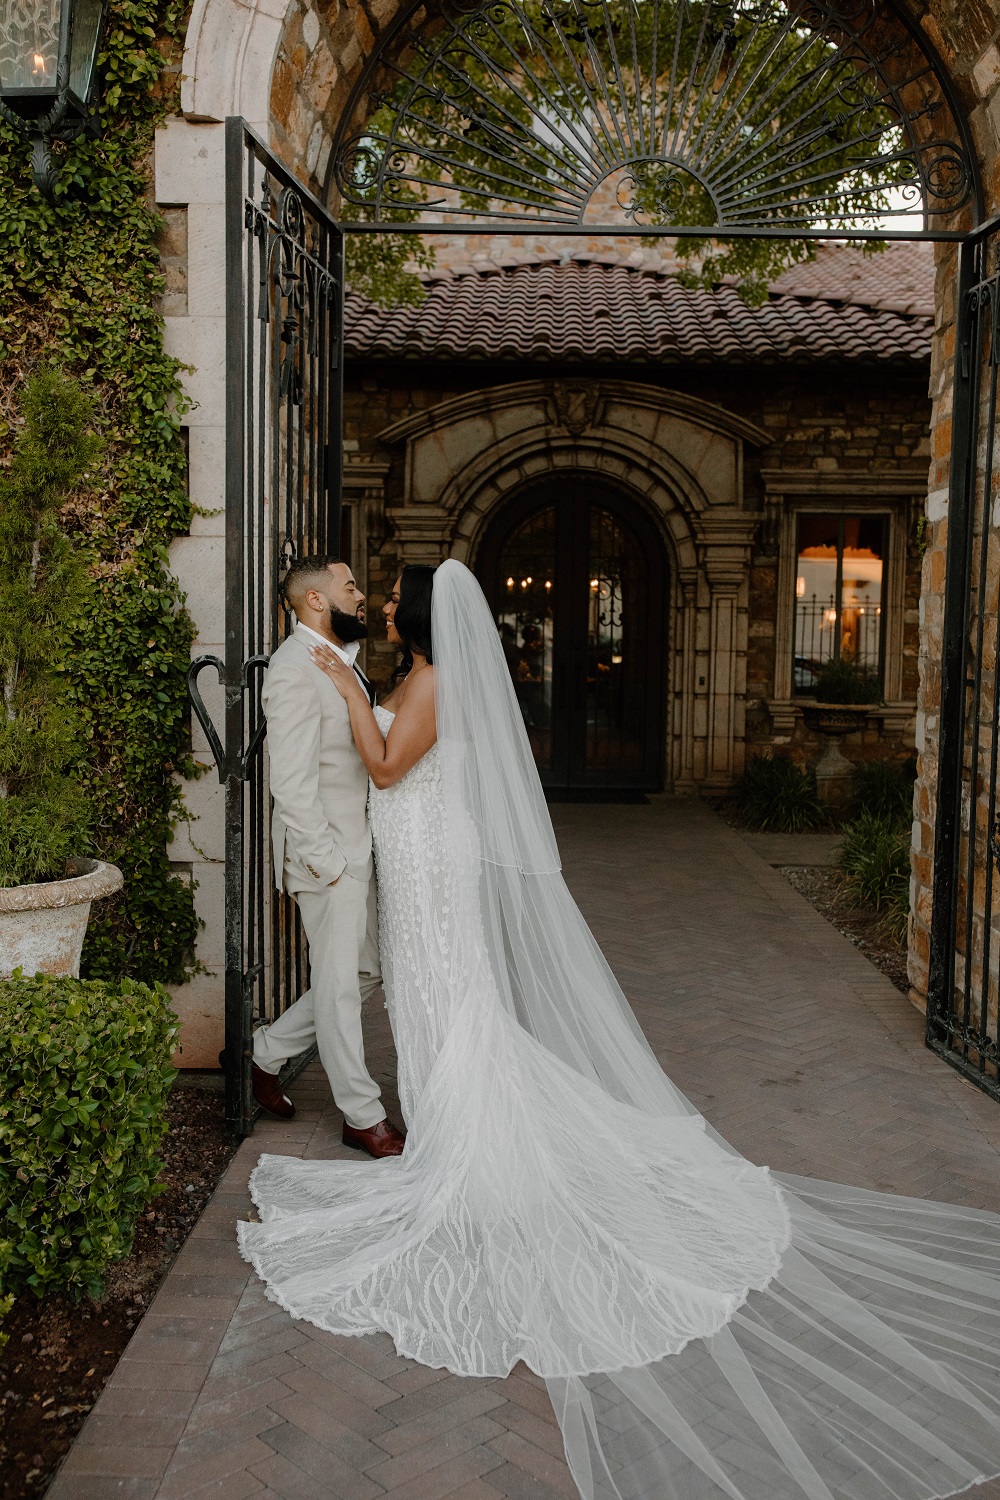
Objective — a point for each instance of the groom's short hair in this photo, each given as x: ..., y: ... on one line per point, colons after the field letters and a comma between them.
x: 306, y: 573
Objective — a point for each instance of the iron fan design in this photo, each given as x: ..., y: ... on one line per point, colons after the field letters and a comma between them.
x: 744, y: 115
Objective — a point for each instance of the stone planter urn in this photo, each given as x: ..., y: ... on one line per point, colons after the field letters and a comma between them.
x: 833, y: 721
x: 42, y: 926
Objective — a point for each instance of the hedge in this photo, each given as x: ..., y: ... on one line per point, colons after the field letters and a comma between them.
x: 84, y: 1076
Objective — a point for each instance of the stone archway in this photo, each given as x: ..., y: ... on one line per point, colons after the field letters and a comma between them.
x: 289, y: 69
x: 682, y: 461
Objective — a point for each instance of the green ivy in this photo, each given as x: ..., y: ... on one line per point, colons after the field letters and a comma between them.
x: 80, y: 283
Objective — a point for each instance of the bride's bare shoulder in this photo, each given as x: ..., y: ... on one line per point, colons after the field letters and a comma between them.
x: 416, y: 690
x: 419, y: 687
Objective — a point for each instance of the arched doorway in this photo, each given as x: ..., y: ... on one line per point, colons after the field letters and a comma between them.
x: 576, y: 575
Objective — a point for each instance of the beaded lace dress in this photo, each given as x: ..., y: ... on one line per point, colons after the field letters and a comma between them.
x: 704, y: 1328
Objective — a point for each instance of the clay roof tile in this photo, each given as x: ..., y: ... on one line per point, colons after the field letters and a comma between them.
x: 842, y: 308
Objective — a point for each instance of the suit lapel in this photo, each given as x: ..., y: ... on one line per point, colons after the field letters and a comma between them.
x: 300, y: 645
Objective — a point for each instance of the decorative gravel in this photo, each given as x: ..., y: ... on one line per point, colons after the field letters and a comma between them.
x: 827, y: 890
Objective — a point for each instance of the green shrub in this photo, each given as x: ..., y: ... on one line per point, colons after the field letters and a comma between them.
x: 773, y: 793
x: 875, y: 857
x: 885, y: 789
x: 840, y: 681
x: 84, y: 1075
x: 44, y: 814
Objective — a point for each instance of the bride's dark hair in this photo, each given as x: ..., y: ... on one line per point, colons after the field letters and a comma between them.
x: 413, y: 615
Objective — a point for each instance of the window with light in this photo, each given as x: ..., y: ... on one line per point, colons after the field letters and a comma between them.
x: 839, y: 593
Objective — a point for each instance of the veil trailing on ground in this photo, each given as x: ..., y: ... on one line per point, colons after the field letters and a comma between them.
x: 855, y: 1351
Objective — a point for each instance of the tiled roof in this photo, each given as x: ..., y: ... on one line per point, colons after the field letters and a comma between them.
x: 586, y: 311
x: 900, y: 278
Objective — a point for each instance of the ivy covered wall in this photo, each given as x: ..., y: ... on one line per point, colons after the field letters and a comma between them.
x: 80, y: 283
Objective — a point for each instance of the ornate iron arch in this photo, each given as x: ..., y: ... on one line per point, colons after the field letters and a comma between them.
x: 720, y: 117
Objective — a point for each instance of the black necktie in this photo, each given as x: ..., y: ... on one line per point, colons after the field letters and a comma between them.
x: 365, y: 684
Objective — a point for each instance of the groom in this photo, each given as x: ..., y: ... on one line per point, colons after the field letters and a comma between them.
x: 323, y: 854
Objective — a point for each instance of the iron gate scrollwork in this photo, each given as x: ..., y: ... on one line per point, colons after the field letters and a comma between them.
x: 284, y: 402
x: 742, y: 116
x: 962, y: 1020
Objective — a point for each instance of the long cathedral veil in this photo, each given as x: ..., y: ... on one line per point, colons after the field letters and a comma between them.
x: 860, y: 1357
x: 542, y: 955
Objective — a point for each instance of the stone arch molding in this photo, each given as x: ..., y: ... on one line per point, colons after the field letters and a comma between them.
x: 229, y: 53
x: 593, y: 456
x: 684, y: 455
x: 679, y: 457
x: 235, y: 50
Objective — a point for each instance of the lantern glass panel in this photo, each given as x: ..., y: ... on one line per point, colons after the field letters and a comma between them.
x: 86, y: 31
x: 29, y: 46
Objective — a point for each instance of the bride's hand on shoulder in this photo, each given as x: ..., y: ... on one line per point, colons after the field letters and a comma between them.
x: 343, y: 677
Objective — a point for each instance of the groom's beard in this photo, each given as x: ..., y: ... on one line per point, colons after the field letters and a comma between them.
x: 347, y: 627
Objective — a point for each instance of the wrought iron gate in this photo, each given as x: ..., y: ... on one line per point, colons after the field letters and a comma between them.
x: 962, y: 1024
x: 284, y: 398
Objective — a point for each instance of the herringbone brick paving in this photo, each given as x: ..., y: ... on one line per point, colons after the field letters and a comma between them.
x: 784, y: 1035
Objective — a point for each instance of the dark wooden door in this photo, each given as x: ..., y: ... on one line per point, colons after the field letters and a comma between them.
x: 576, y: 577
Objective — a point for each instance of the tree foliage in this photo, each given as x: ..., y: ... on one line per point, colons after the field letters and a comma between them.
x: 44, y: 815
x: 80, y: 282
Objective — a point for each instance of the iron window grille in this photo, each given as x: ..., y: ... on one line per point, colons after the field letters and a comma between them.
x: 841, y: 577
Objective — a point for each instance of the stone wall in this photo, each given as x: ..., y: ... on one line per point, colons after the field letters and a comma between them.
x: 968, y: 37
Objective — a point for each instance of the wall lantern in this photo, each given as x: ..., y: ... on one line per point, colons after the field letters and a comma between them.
x: 48, y: 49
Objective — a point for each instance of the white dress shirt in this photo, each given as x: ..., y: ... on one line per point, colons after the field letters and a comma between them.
x: 348, y: 653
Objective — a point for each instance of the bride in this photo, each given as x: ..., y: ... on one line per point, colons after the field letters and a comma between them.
x: 705, y: 1328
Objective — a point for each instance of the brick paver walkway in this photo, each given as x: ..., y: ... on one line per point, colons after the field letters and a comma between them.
x: 791, y: 1043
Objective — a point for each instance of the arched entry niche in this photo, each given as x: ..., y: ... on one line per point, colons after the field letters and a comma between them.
x: 576, y: 573
x: 675, y: 460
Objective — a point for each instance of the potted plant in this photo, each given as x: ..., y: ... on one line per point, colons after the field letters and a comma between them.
x: 844, y: 695
x: 842, y: 682
x: 47, y: 883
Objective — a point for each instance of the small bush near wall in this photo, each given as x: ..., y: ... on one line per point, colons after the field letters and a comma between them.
x: 875, y: 850
x: 875, y: 857
x: 775, y: 796
x: 84, y: 1076
x: 885, y: 788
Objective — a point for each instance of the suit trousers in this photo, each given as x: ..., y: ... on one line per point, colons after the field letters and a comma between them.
x: 341, y: 925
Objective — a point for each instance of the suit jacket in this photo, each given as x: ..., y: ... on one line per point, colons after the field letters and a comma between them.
x: 319, y: 829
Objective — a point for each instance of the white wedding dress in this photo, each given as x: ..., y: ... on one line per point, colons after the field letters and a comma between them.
x: 705, y: 1329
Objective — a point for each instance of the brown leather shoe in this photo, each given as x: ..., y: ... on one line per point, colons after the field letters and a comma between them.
x: 268, y: 1092
x: 382, y: 1140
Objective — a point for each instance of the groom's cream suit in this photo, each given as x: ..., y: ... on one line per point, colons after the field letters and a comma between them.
x: 323, y: 857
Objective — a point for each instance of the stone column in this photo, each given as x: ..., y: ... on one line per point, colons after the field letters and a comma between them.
x: 726, y: 543
x: 682, y: 719
x: 190, y: 178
